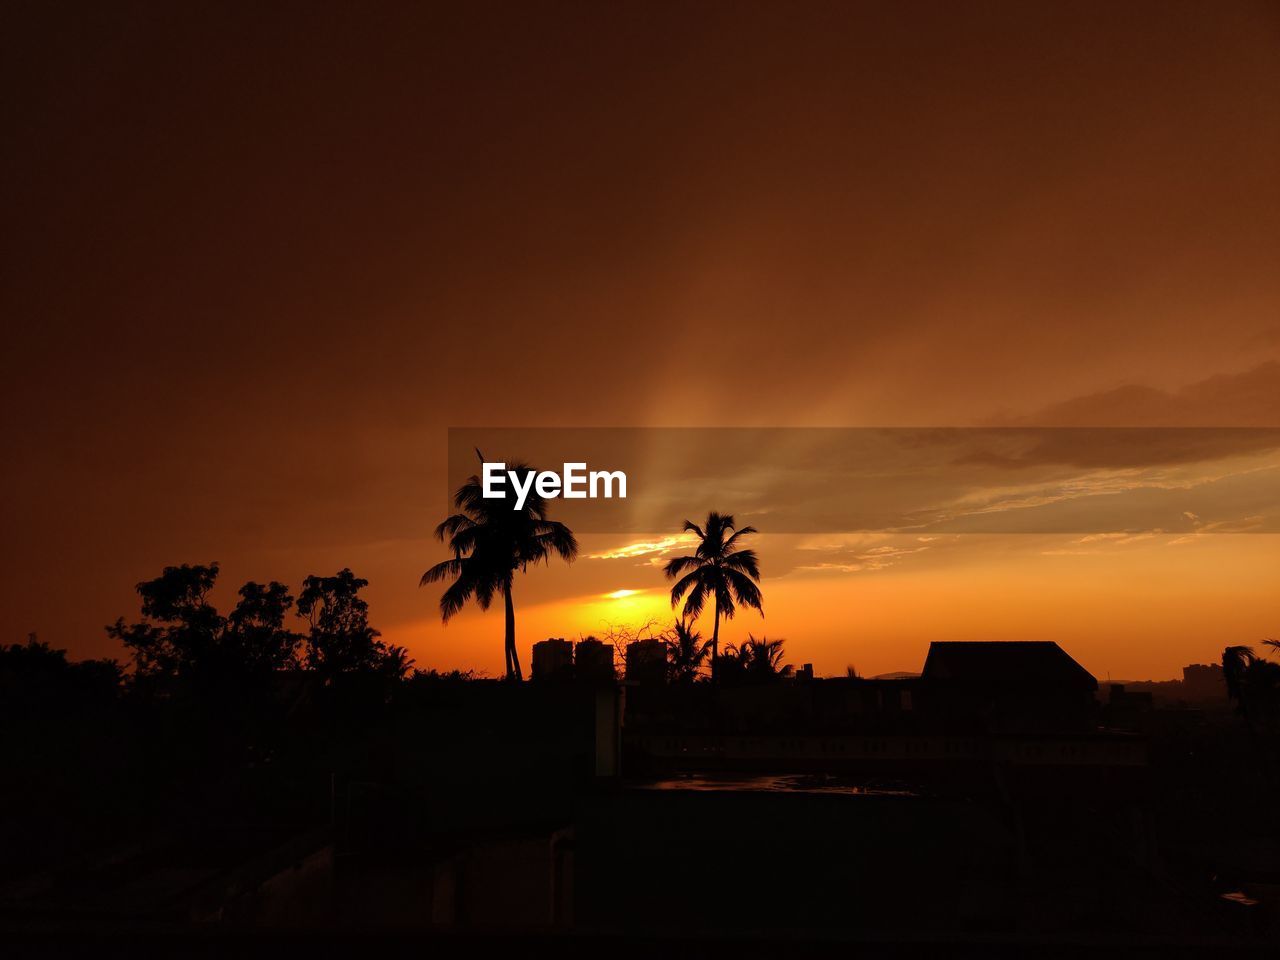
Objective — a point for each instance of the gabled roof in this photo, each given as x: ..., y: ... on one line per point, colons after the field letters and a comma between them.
x: 1036, y: 663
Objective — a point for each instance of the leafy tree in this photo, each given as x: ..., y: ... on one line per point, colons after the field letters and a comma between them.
x: 492, y: 541
x: 34, y: 656
x: 255, y: 633
x: 180, y: 629
x: 340, y: 639
x: 718, y: 571
x: 36, y: 676
x: 183, y: 635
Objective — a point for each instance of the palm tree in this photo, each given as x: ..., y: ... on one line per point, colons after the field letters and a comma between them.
x: 686, y: 653
x: 763, y: 658
x: 491, y: 540
x: 754, y: 660
x: 717, y: 570
x: 396, y: 663
x: 1254, y: 684
x: 731, y: 667
x: 1236, y: 662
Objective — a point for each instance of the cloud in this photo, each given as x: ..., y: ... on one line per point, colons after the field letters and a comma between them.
x: 922, y: 480
x: 1118, y: 538
x: 1249, y: 398
x: 1093, y: 544
x: 859, y: 553
x: 1131, y: 500
x: 645, y: 548
x: 1249, y: 524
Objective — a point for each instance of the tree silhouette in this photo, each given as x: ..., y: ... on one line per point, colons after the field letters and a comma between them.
x: 491, y: 540
x: 340, y: 639
x: 753, y: 661
x: 255, y: 633
x: 1254, y: 684
x: 180, y: 629
x: 37, y: 677
x: 716, y: 570
x: 686, y: 653
x: 1235, y: 662
x: 763, y: 658
x: 396, y: 663
x: 731, y: 667
x: 182, y: 635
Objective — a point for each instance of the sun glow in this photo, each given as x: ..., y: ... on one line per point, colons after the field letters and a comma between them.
x: 622, y: 594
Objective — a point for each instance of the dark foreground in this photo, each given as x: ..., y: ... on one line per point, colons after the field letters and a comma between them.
x: 587, y: 946
x: 449, y: 817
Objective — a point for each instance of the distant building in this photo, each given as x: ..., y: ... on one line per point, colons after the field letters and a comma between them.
x: 1008, y: 687
x: 593, y: 661
x: 1203, y: 681
x: 553, y: 659
x: 646, y: 661
x: 1127, y: 708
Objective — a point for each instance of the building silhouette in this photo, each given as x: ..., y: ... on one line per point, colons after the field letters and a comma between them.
x: 1203, y: 681
x: 646, y: 661
x: 593, y: 661
x: 1008, y: 687
x: 553, y: 659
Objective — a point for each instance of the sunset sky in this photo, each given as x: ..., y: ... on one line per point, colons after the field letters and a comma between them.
x: 259, y: 259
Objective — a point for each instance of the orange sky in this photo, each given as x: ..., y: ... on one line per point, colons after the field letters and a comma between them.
x: 1130, y: 610
x: 257, y: 263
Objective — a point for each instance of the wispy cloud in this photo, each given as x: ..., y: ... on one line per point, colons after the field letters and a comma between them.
x: 645, y: 548
x: 1097, y: 543
x: 1236, y: 525
x: 858, y: 553
x: 1131, y: 490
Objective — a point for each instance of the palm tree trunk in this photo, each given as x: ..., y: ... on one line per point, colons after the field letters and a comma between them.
x: 513, y: 658
x: 715, y: 642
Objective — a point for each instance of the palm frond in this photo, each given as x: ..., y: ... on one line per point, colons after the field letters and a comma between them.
x: 744, y: 561
x: 745, y: 590
x: 697, y: 588
x: 679, y: 565
x: 452, y: 525
x: 724, y: 595
x: 445, y: 568
x: 555, y: 537
x: 744, y: 531
x: 691, y: 527
x: 455, y: 597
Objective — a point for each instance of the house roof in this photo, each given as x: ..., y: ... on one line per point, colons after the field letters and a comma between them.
x: 1040, y: 663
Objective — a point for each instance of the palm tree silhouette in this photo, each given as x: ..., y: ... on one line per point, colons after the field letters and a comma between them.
x: 685, y: 653
x: 718, y: 570
x: 763, y: 658
x: 1236, y: 662
x: 491, y: 540
x: 753, y: 661
x: 1254, y: 684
